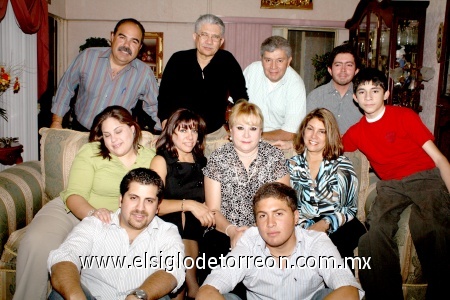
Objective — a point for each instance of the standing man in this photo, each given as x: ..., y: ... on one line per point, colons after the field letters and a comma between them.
x: 135, y: 256
x: 337, y: 95
x: 279, y: 260
x: 106, y: 77
x: 202, y: 79
x: 277, y: 89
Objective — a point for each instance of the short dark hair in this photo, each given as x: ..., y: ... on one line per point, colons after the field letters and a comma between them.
x: 278, y: 191
x: 134, y: 21
x: 373, y: 75
x: 344, y: 48
x: 143, y: 176
x: 275, y: 42
x: 120, y: 114
x: 182, y: 118
x: 333, y: 142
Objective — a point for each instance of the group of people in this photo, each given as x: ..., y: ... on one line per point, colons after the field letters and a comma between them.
x: 160, y: 208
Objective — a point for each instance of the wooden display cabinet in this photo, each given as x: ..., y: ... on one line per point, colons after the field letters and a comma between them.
x: 442, y: 123
x: 388, y: 35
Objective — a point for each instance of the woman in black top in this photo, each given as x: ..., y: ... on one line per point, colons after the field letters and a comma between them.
x: 179, y: 162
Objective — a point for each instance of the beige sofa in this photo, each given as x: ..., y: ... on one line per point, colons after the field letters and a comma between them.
x: 25, y: 188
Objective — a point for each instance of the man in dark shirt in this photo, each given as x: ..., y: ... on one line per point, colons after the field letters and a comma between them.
x: 203, y: 78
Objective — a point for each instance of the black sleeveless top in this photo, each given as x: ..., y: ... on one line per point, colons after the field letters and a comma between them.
x: 184, y: 181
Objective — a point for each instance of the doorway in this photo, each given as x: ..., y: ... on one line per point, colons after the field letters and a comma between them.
x: 306, y: 43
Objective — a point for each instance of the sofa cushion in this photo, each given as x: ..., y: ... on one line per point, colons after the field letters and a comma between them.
x: 21, y: 197
x: 58, y: 150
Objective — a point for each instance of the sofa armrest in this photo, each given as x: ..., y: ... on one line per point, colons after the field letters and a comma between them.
x: 361, y: 166
x: 21, y: 197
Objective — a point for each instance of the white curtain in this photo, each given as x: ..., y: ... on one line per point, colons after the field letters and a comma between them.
x: 19, y: 50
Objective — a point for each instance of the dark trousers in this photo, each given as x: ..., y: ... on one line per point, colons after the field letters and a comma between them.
x: 77, y: 125
x: 429, y: 224
x: 215, y: 244
x: 347, y: 236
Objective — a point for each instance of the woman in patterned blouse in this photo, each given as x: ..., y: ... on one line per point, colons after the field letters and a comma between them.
x: 325, y: 181
x: 233, y: 174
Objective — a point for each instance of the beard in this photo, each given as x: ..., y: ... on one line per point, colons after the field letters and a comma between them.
x: 138, y: 225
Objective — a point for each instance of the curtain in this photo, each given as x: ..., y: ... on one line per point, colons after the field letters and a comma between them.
x: 32, y: 17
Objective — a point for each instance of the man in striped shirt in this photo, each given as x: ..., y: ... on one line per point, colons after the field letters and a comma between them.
x: 278, y: 260
x: 106, y: 77
x: 135, y: 256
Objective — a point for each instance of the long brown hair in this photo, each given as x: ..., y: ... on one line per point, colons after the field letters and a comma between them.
x: 333, y: 142
x: 182, y: 118
x: 120, y: 114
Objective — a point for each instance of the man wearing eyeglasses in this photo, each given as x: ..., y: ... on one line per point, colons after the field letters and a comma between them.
x: 278, y: 90
x: 202, y: 79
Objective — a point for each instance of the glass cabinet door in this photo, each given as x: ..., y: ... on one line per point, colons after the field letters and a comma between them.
x: 407, y: 38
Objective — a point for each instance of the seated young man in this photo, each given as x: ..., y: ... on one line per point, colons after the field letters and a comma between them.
x: 413, y: 171
x: 278, y: 260
x: 135, y: 256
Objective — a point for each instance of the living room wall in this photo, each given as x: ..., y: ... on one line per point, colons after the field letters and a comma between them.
x: 82, y: 19
x: 175, y: 18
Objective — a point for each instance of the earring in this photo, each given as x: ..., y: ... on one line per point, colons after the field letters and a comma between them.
x: 231, y: 138
x: 260, y: 140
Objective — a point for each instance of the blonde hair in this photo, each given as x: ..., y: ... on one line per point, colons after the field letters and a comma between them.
x: 246, y: 110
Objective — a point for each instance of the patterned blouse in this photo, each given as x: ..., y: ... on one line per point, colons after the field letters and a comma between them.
x: 332, y: 195
x: 237, y: 186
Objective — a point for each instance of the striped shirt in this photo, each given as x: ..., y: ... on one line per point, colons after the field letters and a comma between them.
x: 264, y: 283
x: 91, y: 239
x: 332, y: 195
x: 91, y: 72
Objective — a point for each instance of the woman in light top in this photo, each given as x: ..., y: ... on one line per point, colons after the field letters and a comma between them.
x: 179, y: 162
x: 325, y: 181
x: 92, y: 190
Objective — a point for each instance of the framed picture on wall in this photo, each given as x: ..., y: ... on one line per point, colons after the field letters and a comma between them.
x: 152, y: 52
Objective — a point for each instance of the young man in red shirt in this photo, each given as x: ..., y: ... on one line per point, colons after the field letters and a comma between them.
x: 413, y: 171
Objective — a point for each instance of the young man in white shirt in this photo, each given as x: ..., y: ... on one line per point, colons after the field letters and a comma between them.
x: 135, y: 256
x: 279, y: 260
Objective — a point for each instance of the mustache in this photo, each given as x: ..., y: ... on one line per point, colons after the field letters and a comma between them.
x: 140, y: 212
x: 126, y: 49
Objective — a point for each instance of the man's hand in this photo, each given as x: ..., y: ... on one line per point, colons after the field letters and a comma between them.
x: 56, y: 122
x: 235, y: 234
x: 208, y: 292
x: 282, y: 145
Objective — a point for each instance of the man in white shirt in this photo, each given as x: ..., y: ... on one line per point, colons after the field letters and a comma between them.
x: 277, y: 89
x: 278, y: 260
x: 135, y: 256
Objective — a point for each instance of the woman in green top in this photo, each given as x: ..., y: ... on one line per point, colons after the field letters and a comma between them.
x: 93, y: 190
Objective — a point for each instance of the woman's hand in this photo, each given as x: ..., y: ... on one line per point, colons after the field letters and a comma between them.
x: 103, y: 215
x: 320, y: 226
x: 201, y: 212
x: 235, y: 234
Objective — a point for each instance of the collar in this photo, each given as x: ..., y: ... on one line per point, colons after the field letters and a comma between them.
x: 331, y: 89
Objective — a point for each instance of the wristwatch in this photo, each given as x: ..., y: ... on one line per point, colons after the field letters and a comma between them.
x: 140, y: 294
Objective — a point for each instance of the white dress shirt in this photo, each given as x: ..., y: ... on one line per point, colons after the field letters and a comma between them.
x: 284, y: 105
x: 277, y: 283
x: 128, y: 265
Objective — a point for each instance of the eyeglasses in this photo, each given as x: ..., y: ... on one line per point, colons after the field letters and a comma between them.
x: 204, y: 37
